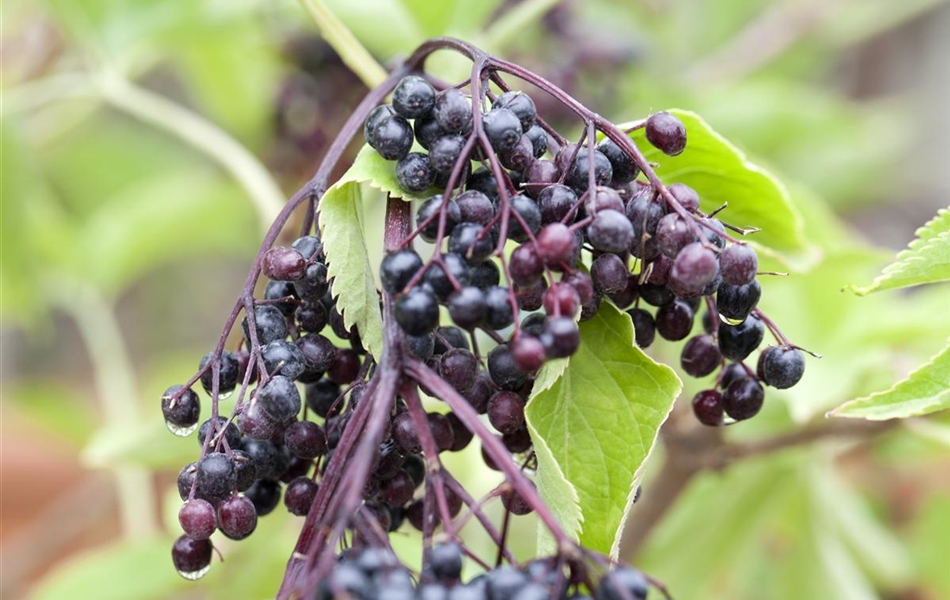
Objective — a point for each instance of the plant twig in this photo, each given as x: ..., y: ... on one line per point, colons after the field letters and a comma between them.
x: 341, y: 39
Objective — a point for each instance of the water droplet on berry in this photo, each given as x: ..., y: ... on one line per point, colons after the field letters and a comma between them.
x: 195, y: 575
x: 179, y: 430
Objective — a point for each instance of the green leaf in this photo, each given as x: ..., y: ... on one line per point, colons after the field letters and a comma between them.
x: 140, y: 569
x: 341, y: 226
x: 924, y: 391
x: 371, y: 168
x: 721, y: 173
x: 926, y: 259
x: 597, y: 424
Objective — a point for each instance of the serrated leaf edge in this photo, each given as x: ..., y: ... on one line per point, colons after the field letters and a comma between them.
x: 852, y: 409
x: 924, y: 239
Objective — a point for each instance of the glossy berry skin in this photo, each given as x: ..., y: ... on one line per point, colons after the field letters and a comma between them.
x: 444, y: 152
x: 736, y: 342
x: 577, y: 174
x: 417, y: 311
x: 283, y: 358
x: 743, y: 398
x: 452, y: 111
x: 693, y: 269
x: 269, y: 324
x: 397, y: 268
x: 215, y: 476
x: 700, y: 356
x: 314, y: 283
x: 468, y: 241
x: 707, y: 406
x: 539, y: 140
x: 498, y: 311
x: 445, y: 561
x: 673, y: 233
x: 414, y: 173
x: 197, y: 519
x: 265, y: 494
x: 623, y: 583
x: 524, y: 265
x: 503, y: 370
x: 459, y: 367
x: 279, y: 398
x: 674, y: 320
x: 467, y: 307
x: 666, y: 133
x: 643, y: 326
x: 781, y: 366
x: 299, y: 495
x: 231, y: 432
x: 237, y: 517
x: 227, y: 371
x: 503, y: 129
x: 283, y: 263
x: 191, y: 557
x: 183, y: 411
x: 506, y: 411
x: 685, y: 195
x: 427, y: 131
x: 392, y: 137
x: 528, y: 353
x: 611, y: 231
x: 521, y: 105
x: 556, y: 244
x: 623, y: 168
x: 413, y: 97
x: 561, y: 337
x: 561, y: 299
x: 475, y: 207
x: 609, y: 274
x: 556, y: 202
x: 528, y: 212
x: 736, y: 302
x: 305, y: 439
x: 739, y: 264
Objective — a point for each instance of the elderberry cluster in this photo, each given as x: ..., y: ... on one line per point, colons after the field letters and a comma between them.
x: 269, y: 449
x: 648, y: 246
x: 373, y: 573
x: 529, y: 236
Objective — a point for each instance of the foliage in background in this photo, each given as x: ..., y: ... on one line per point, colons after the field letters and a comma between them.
x: 103, y: 199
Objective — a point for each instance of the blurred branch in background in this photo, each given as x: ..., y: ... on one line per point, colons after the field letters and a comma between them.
x: 353, y: 54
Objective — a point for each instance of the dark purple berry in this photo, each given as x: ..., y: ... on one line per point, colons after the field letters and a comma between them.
x: 707, y: 406
x: 743, y: 398
x: 781, y: 366
x: 666, y: 133
x: 197, y: 519
x: 299, y: 495
x: 237, y: 517
x: 413, y: 97
x: 700, y: 356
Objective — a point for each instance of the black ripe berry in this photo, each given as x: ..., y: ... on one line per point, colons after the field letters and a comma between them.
x: 503, y: 129
x: 743, y: 398
x: 700, y: 356
x: 736, y: 342
x: 445, y: 561
x: 413, y: 97
x: 667, y: 133
x: 467, y: 307
x: 506, y: 411
x: 452, y: 111
x: 299, y: 495
x: 623, y: 167
x: 623, y: 583
x: 736, y: 302
x: 414, y: 173
x: 227, y: 371
x: 417, y: 311
x: 707, y: 406
x: 191, y: 557
x: 397, y: 268
x: 391, y: 137
x: 503, y: 370
x: 578, y: 175
x: 781, y: 366
x: 610, y: 231
x: 739, y: 264
x: 643, y: 326
x: 181, y: 413
x: 521, y: 105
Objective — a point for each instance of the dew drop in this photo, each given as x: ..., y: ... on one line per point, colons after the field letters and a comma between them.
x: 225, y: 395
x: 179, y: 430
x: 195, y: 575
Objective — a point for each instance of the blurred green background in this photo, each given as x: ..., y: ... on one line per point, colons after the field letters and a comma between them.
x: 147, y: 143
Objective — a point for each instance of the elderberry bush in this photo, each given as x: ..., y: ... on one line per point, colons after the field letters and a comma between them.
x: 520, y: 235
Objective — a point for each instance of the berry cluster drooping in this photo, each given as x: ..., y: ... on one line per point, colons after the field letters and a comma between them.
x: 530, y: 235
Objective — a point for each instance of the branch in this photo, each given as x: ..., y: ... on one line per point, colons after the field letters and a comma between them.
x: 692, y: 449
x: 342, y: 40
